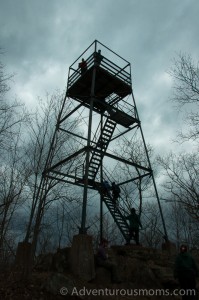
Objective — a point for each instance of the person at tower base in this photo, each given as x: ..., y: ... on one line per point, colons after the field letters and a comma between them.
x: 186, y: 271
x: 135, y: 224
x: 104, y: 261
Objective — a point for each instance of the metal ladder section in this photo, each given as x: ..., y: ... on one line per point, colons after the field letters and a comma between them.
x: 117, y: 215
x: 101, y: 145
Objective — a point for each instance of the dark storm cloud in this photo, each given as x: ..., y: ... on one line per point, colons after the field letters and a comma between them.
x: 42, y: 38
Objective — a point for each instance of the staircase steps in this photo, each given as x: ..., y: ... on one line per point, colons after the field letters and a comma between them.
x: 116, y: 213
x: 101, y: 146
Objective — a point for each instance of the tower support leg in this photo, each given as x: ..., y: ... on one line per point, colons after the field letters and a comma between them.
x: 82, y: 257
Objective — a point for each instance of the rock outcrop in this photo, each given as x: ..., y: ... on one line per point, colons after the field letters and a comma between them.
x: 140, y: 268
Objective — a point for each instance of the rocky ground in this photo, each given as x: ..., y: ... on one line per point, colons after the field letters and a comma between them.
x: 144, y: 272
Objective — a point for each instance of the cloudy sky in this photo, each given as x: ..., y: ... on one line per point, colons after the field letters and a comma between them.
x: 42, y: 38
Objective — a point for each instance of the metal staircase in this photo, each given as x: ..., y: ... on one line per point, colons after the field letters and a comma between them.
x: 98, y: 153
x: 116, y: 213
x: 100, y: 148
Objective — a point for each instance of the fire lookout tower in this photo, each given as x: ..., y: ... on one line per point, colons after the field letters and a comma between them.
x: 100, y: 88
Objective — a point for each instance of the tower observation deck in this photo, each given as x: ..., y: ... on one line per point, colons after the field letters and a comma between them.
x: 103, y: 109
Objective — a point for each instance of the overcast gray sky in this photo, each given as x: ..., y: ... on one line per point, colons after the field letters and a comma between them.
x: 41, y: 38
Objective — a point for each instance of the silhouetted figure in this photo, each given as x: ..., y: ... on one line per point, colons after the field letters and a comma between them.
x: 135, y: 224
x: 83, y: 66
x: 186, y: 271
x: 115, y: 193
x: 97, y: 58
x: 104, y: 261
x: 106, y: 188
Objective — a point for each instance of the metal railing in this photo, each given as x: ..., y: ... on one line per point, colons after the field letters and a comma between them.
x: 105, y: 64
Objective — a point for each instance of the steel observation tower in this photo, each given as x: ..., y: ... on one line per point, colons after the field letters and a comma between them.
x: 101, y: 92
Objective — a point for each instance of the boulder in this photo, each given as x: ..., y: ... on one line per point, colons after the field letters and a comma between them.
x: 103, y: 276
x: 61, y: 260
x: 43, y: 262
x: 58, y: 284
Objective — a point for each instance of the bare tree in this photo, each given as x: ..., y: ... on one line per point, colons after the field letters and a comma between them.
x: 183, y: 228
x: 12, y: 184
x: 151, y: 235
x: 67, y: 220
x: 13, y: 177
x: 3, y: 81
x: 12, y: 113
x: 134, y: 151
x: 39, y: 133
x: 185, y: 73
x: 59, y: 224
x: 44, y: 192
x: 110, y: 230
x: 181, y: 180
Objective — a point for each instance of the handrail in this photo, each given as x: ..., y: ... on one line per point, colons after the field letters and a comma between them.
x: 105, y: 64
